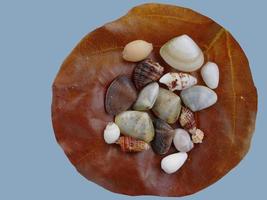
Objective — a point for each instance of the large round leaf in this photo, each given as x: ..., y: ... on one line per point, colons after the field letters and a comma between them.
x: 79, y: 116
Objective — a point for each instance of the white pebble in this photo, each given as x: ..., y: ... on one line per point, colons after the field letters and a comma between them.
x: 111, y: 133
x: 182, y: 140
x: 137, y: 50
x: 210, y: 74
x: 173, y: 162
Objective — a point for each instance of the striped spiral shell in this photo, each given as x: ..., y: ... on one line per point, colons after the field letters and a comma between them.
x: 129, y: 144
x: 146, y: 72
x: 187, y: 120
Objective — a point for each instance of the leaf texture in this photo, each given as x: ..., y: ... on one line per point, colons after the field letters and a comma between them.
x: 79, y: 117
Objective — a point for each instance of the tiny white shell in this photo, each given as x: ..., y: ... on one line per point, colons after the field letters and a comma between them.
x: 182, y: 140
x: 178, y: 81
x: 173, y: 162
x: 182, y: 53
x: 111, y: 133
x: 210, y: 74
x: 137, y: 50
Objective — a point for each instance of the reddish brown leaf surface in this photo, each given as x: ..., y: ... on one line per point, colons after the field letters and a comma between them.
x: 79, y: 116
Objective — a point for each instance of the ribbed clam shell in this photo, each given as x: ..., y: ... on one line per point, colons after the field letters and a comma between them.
x: 146, y: 72
x: 187, y: 119
x: 178, y: 81
x: 198, y: 97
x: 120, y: 95
x: 167, y: 106
x: 182, y: 53
x: 136, y: 124
x: 147, y: 97
x: 129, y: 144
x: 164, y: 134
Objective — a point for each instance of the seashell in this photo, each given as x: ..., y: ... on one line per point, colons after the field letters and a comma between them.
x: 173, y: 162
x: 137, y: 50
x: 210, y: 74
x: 182, y: 53
x: 164, y: 134
x: 111, y: 133
x: 167, y: 106
x: 182, y: 140
x: 198, y: 136
x: 178, y: 81
x: 146, y: 72
x: 129, y: 144
x: 136, y: 124
x: 187, y: 119
x: 198, y: 97
x: 120, y: 95
x: 147, y: 97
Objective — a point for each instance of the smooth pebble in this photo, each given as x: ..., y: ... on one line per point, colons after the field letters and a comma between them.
x: 182, y: 140
x: 210, y: 74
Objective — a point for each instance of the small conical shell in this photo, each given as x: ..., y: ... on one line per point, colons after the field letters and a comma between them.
x: 120, y: 95
x: 136, y: 124
x: 129, y: 144
x: 198, y: 97
x: 182, y: 53
x: 182, y: 140
x: 146, y: 72
x: 187, y: 119
x: 164, y: 134
x: 147, y: 97
x: 198, y: 136
x: 167, y: 106
x: 210, y: 74
x: 178, y: 81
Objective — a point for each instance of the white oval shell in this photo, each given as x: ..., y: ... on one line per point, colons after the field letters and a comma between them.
x: 147, y: 97
x: 111, y: 133
x: 210, y: 74
x: 137, y: 50
x: 182, y: 140
x: 182, y: 53
x: 198, y: 97
x: 173, y: 162
x: 178, y: 81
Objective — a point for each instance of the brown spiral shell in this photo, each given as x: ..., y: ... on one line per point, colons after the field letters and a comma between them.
x: 129, y: 144
x: 146, y: 72
x: 187, y: 119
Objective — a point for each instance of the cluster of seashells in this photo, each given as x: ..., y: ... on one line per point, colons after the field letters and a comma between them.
x: 131, y: 101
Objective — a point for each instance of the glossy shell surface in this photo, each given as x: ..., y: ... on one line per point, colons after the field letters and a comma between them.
x: 79, y: 116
